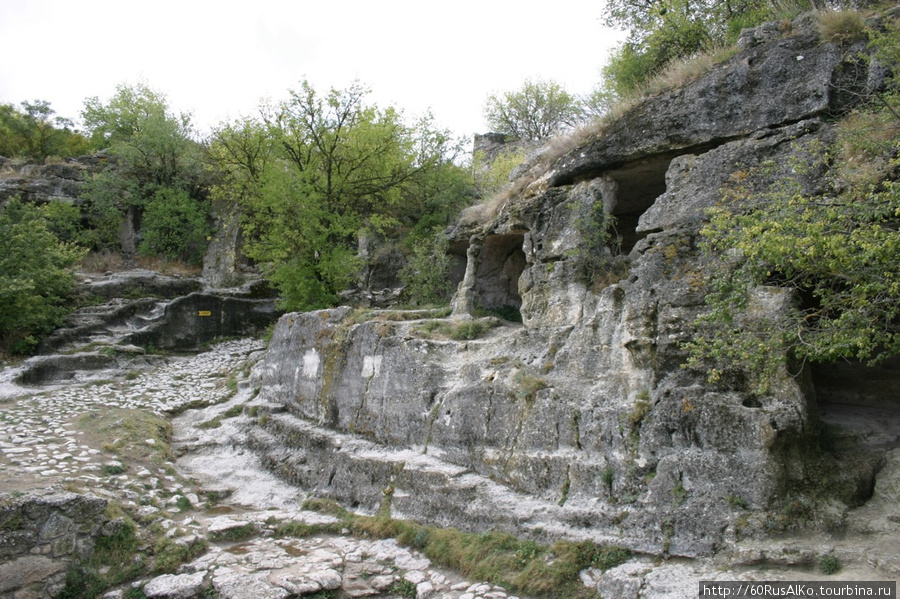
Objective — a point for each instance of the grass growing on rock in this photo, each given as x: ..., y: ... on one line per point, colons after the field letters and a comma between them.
x: 134, y: 436
x: 115, y: 554
x: 522, y: 566
x: 463, y: 330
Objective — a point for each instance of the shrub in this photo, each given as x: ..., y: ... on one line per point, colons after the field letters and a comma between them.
x: 491, y: 178
x: 469, y: 329
x: 176, y: 226
x: 527, y: 385
x: 427, y: 271
x: 36, y: 277
x: 594, y: 257
x: 64, y: 221
x: 404, y: 588
x: 829, y: 564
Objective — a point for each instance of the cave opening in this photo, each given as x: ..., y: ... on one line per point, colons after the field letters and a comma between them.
x: 860, y: 408
x: 636, y: 187
x: 500, y: 265
x: 853, y: 395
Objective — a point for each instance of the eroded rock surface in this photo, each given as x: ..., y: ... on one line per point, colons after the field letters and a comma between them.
x: 582, y: 421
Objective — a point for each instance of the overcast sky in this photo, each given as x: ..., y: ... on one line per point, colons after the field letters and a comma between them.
x: 217, y: 59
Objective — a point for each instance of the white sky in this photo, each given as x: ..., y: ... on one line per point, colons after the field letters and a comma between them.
x: 218, y: 59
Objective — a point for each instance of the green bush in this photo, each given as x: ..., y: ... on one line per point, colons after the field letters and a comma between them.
x: 64, y: 221
x: 426, y: 275
x: 829, y: 564
x: 175, y: 226
x: 36, y: 277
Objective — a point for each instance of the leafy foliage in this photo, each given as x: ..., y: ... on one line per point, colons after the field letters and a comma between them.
x: 175, y: 226
x: 427, y: 273
x: 810, y: 276
x: 152, y: 150
x: 837, y: 254
x: 316, y: 172
x: 593, y: 256
x: 491, y: 178
x: 661, y: 31
x: 34, y: 133
x: 535, y: 111
x: 36, y: 276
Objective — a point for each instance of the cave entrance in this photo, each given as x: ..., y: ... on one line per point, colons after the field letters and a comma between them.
x: 635, y: 188
x: 867, y: 398
x: 500, y: 265
x: 861, y: 406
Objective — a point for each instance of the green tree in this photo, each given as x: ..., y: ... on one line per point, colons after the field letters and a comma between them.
x: 175, y: 226
x: 36, y: 277
x: 34, y: 133
x: 237, y: 156
x: 153, y: 151
x: 536, y: 110
x: 154, y: 146
x: 317, y: 172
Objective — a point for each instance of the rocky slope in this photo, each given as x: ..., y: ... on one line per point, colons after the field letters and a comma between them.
x: 215, y: 501
x: 581, y: 421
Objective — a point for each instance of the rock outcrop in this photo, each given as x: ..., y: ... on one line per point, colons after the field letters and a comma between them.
x: 166, y: 313
x: 42, y: 535
x: 45, y: 183
x: 581, y: 421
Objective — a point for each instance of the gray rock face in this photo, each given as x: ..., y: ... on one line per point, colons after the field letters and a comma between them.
x: 170, y: 586
x: 775, y: 82
x: 222, y: 262
x: 188, y: 322
x: 107, y: 339
x: 581, y: 421
x: 44, y: 183
x: 138, y: 282
x: 41, y: 535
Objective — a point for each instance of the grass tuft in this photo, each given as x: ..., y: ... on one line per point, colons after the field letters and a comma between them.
x: 522, y: 566
x: 841, y: 27
x: 829, y: 565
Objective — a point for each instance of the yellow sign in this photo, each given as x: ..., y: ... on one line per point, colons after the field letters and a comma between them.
x: 204, y: 313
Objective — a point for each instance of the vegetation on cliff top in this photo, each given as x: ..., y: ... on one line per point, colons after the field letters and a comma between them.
x: 835, y: 250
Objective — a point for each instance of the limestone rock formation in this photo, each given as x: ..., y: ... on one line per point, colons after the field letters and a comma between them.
x: 47, y: 182
x: 581, y: 421
x: 167, y: 313
x: 42, y: 535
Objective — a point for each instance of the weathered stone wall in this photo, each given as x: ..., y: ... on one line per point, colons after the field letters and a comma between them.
x: 42, y: 183
x: 582, y: 420
x: 41, y: 536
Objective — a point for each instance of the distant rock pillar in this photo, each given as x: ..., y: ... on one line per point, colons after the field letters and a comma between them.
x: 463, y: 302
x: 222, y: 257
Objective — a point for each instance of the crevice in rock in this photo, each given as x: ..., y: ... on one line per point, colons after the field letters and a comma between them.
x: 457, y: 252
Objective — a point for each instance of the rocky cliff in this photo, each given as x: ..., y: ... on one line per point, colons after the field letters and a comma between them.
x: 581, y: 420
